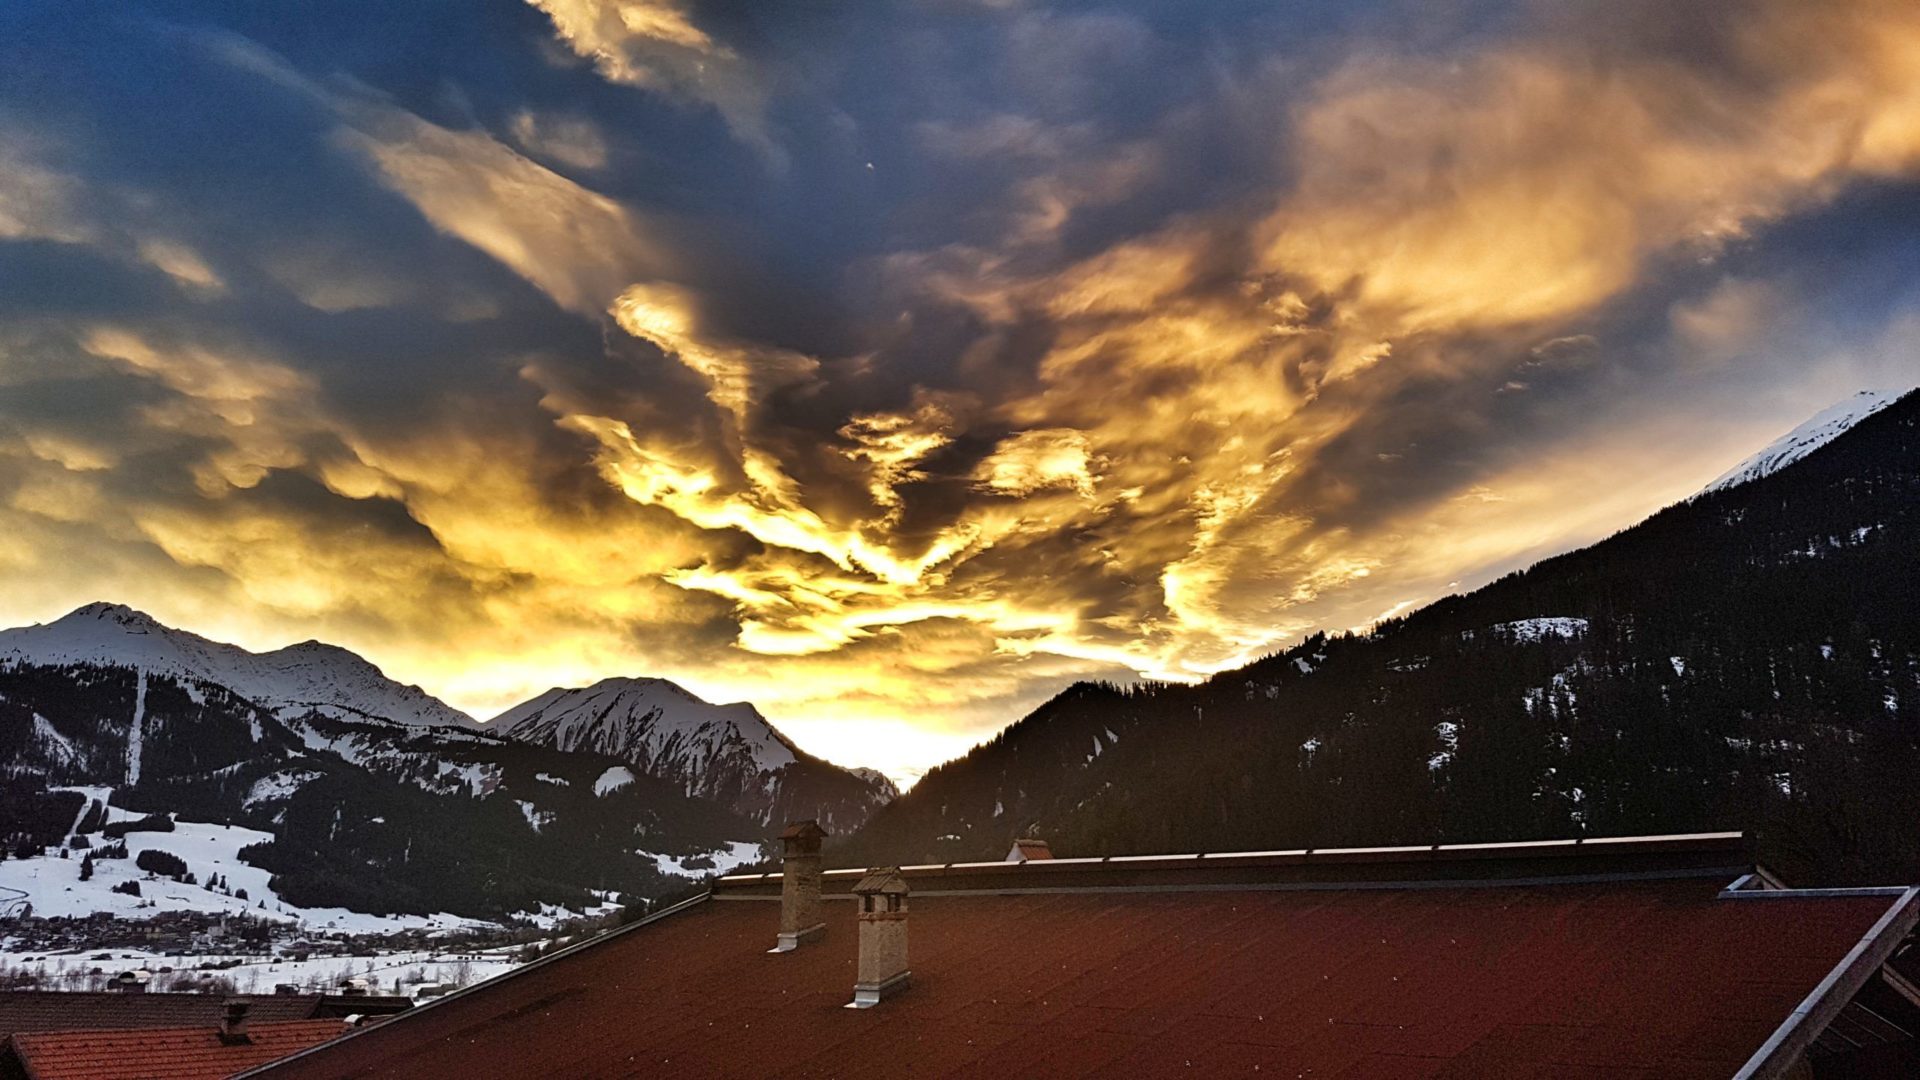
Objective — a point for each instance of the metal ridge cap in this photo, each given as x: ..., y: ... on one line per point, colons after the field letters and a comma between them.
x: 1736, y: 892
x: 1340, y: 885
x: 1403, y: 853
x: 1698, y: 839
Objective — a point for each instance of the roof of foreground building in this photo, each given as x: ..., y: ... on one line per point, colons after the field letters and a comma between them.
x: 1642, y: 957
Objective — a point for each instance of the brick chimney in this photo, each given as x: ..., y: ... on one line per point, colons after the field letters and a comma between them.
x: 882, y: 896
x: 800, y: 920
x: 233, y: 1023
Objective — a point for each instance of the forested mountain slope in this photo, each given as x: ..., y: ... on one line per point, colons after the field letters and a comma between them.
x: 1749, y: 658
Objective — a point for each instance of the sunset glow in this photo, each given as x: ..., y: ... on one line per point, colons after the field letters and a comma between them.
x: 894, y: 370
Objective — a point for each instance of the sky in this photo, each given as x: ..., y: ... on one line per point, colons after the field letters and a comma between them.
x: 893, y: 365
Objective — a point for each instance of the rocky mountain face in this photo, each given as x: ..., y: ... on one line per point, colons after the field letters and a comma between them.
x: 377, y: 796
x: 727, y: 753
x: 370, y: 814
x: 294, y: 681
x: 1747, y: 659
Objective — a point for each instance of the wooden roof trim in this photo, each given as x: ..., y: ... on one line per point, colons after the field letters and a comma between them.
x: 1783, y: 1050
x: 1900, y: 984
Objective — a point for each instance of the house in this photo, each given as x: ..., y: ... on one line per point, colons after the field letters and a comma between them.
x: 1024, y: 850
x: 206, y: 1052
x: 51, y: 1034
x: 27, y: 1011
x: 1639, y: 957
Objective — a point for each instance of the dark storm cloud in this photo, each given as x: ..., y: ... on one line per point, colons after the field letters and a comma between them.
x: 892, y: 363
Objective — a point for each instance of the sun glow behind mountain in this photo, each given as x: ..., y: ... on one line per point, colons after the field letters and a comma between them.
x: 891, y: 370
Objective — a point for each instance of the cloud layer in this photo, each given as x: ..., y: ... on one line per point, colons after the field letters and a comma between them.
x: 893, y: 367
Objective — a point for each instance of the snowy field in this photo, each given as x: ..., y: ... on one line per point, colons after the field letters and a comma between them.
x: 403, y: 973
x: 53, y: 886
x: 738, y: 853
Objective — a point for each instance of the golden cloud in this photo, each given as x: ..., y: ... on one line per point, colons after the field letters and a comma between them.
x: 655, y: 45
x: 1156, y: 449
x: 576, y: 246
x: 1532, y: 181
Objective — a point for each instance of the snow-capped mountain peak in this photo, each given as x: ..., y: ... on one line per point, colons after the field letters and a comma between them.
x: 1822, y: 429
x: 132, y: 619
x: 654, y: 722
x: 728, y: 753
x: 309, y: 676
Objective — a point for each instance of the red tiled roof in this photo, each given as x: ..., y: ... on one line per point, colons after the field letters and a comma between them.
x: 1619, y: 978
x: 194, y: 1053
x: 71, y: 1010
x: 75, y: 1010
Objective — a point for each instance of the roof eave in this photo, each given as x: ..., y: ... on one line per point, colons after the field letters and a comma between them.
x: 1783, y: 1050
x: 674, y: 909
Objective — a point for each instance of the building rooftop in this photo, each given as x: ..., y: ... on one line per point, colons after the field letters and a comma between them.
x: 64, y: 1010
x: 1652, y: 957
x: 171, y: 1053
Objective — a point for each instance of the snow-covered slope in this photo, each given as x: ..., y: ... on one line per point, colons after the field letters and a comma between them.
x: 1827, y: 425
x: 655, y: 724
x: 291, y: 682
x: 52, y: 884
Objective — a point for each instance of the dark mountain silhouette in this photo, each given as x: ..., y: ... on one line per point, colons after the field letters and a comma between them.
x: 373, y: 814
x: 1749, y: 658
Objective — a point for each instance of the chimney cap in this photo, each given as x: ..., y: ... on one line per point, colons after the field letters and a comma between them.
x: 807, y: 830
x: 886, y: 880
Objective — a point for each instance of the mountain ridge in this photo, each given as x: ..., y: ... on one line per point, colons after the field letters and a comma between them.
x: 1810, y: 435
x: 726, y: 752
x: 1747, y: 658
x: 309, y: 675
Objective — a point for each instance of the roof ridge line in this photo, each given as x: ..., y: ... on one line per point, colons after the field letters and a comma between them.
x: 1305, y: 886
x: 1398, y: 854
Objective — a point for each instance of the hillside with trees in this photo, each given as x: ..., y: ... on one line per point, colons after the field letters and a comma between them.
x: 1747, y: 659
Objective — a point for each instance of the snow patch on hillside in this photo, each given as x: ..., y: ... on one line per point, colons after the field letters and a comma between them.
x: 52, y: 739
x: 475, y: 779
x: 738, y: 853
x: 537, y: 818
x: 1447, y: 734
x: 278, y: 786
x: 53, y: 886
x: 613, y: 780
x: 1528, y: 631
x: 137, y: 733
